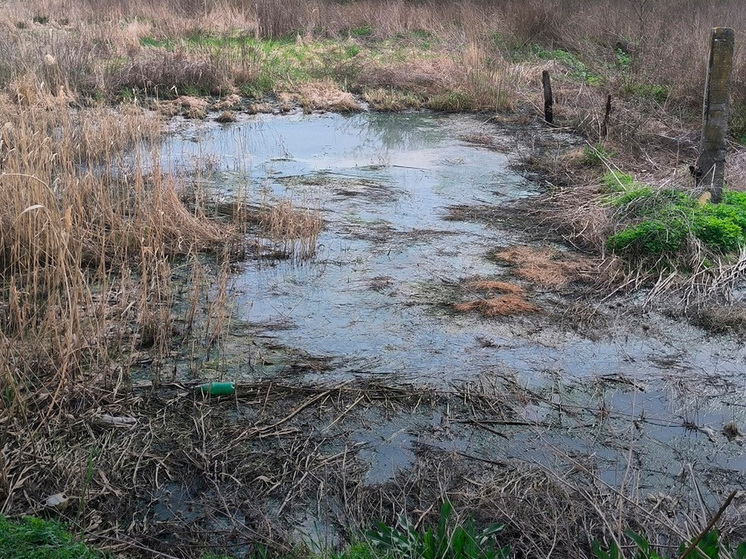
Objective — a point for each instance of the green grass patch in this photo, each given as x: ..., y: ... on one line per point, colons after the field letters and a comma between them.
x: 35, y: 538
x: 665, y: 220
x: 616, y: 181
x: 362, y: 31
x: 446, y: 540
x: 152, y: 42
x: 655, y: 92
x: 578, y: 70
x: 595, y: 156
x: 710, y: 547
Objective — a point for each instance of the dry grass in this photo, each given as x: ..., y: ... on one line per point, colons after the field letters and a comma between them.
x: 494, y: 285
x: 92, y: 244
x: 292, y: 231
x: 321, y: 96
x: 506, y: 305
x: 471, y: 55
x: 546, y: 267
x: 721, y: 318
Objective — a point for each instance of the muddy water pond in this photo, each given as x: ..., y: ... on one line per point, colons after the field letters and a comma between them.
x: 414, y: 206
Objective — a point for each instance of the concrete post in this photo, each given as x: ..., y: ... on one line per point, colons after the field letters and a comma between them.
x: 710, y: 168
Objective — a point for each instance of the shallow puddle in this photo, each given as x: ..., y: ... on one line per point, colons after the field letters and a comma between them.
x: 376, y: 301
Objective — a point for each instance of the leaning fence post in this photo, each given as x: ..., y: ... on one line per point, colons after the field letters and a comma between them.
x: 548, y: 100
x: 710, y: 168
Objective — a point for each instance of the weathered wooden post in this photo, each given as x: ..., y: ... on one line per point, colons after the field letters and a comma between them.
x: 548, y: 99
x: 607, y: 114
x: 710, y: 168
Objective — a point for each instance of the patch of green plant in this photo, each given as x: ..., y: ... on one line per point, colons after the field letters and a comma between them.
x: 154, y: 43
x: 650, y: 238
x: 578, y: 69
x: 641, y: 200
x: 623, y: 59
x: 634, y: 195
x: 710, y: 547
x: 734, y: 199
x: 656, y: 92
x: 35, y: 538
x: 360, y: 550
x: 362, y: 31
x: 672, y: 215
x: 446, y: 540
x: 717, y: 232
x: 596, y: 155
x: 617, y: 181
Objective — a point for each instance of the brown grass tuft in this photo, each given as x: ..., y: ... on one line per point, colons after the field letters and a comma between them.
x: 546, y: 267
x: 498, y: 306
x: 167, y: 74
x: 321, y: 96
x: 493, y: 285
x: 292, y: 231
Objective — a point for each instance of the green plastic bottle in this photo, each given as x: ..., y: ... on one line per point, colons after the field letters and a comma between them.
x: 217, y: 388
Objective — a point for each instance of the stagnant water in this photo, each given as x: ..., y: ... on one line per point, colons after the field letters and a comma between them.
x: 375, y: 302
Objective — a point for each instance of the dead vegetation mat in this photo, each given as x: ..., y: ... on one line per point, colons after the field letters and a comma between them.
x: 167, y: 471
x: 164, y: 471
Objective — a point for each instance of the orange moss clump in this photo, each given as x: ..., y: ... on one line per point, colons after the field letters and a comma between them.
x: 498, y: 306
x: 545, y: 267
x: 492, y: 285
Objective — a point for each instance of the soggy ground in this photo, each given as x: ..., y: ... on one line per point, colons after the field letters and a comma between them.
x: 631, y: 397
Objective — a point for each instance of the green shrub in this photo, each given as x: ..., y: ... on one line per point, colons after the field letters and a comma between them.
x: 735, y: 199
x: 670, y: 216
